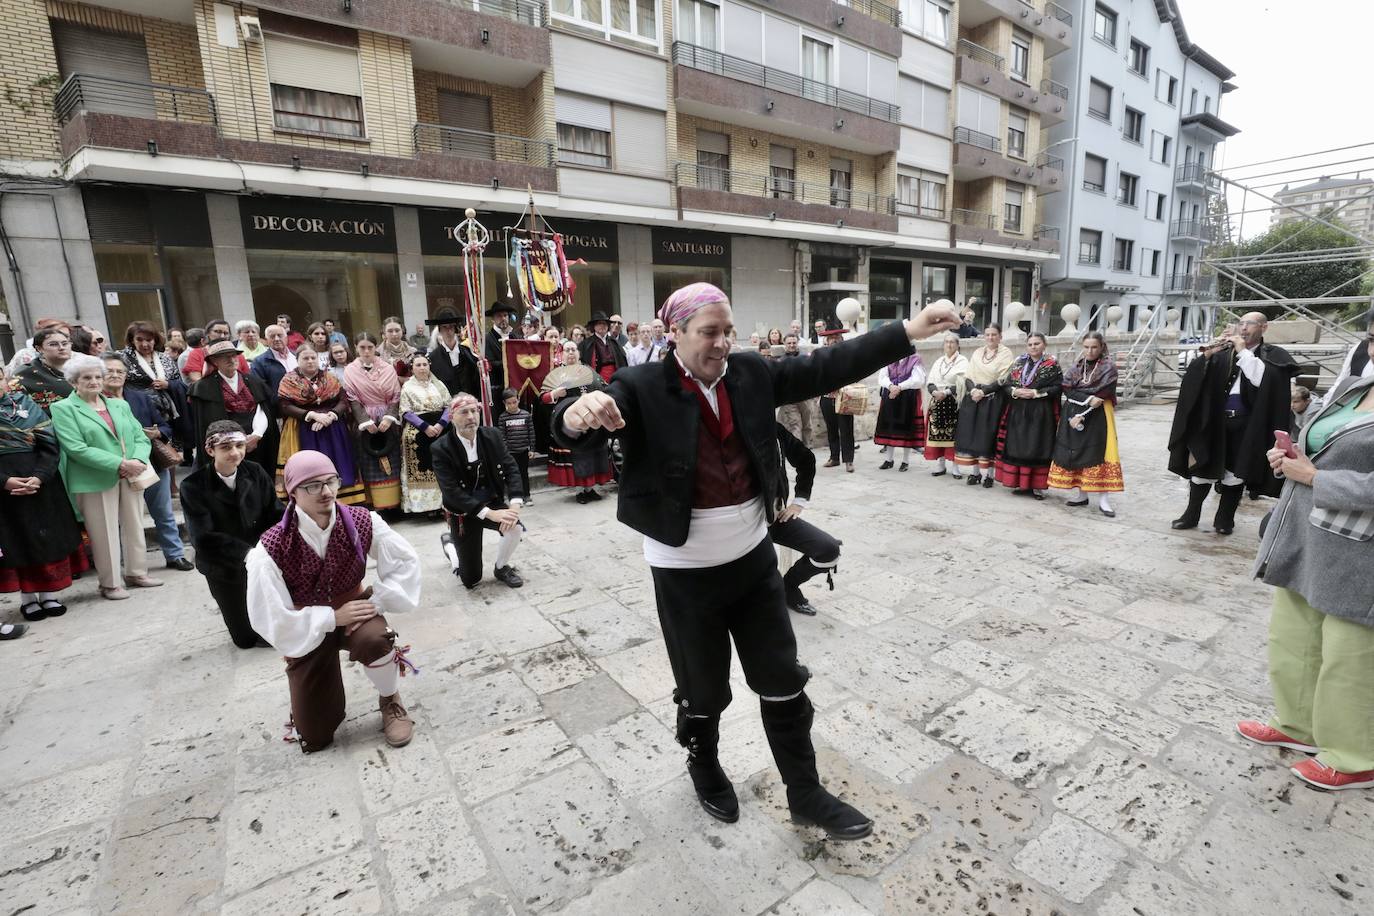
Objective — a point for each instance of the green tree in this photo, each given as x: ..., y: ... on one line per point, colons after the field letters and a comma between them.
x: 1295, y: 281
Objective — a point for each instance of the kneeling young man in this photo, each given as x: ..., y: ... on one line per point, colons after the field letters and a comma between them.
x: 481, y: 487
x: 820, y: 551
x: 307, y: 598
x: 228, y: 504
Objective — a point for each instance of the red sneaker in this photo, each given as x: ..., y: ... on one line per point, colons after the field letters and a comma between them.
x: 1323, y: 777
x: 1260, y: 733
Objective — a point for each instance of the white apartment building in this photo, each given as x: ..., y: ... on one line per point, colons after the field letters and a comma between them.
x: 1141, y: 140
x: 195, y: 158
x: 1351, y: 199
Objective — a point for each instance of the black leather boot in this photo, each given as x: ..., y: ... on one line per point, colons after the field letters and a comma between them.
x: 1225, y: 520
x: 1197, y: 495
x: 701, y: 737
x: 787, y: 723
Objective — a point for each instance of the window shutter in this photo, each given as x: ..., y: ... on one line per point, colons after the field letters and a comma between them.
x: 708, y: 141
x: 313, y: 65
x: 1095, y: 170
x: 93, y: 52
x: 782, y: 157
x: 1100, y: 98
x: 640, y: 141
x: 582, y: 110
x: 470, y: 113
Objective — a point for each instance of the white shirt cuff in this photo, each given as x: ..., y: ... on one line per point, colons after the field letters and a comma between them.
x: 483, y: 512
x: 516, y: 503
x: 800, y: 502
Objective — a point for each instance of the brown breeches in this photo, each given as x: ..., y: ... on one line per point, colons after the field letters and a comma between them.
x: 316, y: 681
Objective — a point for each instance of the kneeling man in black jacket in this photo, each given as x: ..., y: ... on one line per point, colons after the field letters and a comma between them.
x: 699, y: 480
x: 481, y: 486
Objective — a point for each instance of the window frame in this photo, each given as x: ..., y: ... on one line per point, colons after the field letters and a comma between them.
x: 921, y: 182
x: 1105, y: 14
x: 1111, y: 93
x: 1093, y: 249
x: 560, y: 149
x: 278, y: 112
x: 1138, y: 138
x: 1019, y: 44
x: 1128, y: 264
x: 1012, y: 151
x: 1008, y: 225
x: 1142, y: 71
x: 1126, y: 180
x: 695, y: 7
x: 577, y: 18
x: 1092, y: 186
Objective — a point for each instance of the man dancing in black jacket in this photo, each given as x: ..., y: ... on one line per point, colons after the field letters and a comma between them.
x: 700, y: 475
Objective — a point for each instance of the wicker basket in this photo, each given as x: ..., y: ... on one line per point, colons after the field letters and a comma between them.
x: 852, y: 400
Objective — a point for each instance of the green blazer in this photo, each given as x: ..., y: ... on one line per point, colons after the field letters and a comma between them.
x: 90, y: 452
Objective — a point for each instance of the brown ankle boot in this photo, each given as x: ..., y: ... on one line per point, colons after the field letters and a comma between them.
x: 396, y: 724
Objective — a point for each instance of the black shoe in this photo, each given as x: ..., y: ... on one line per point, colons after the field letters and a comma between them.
x: 507, y: 575
x: 797, y: 602
x: 54, y: 608
x: 1197, y: 495
x: 787, y: 724
x: 938, y: 473
x: 1110, y: 513
x: 581, y: 498
x: 1020, y: 492
x: 1225, y: 520
x: 973, y: 480
x: 33, y: 611
x: 988, y: 483
x: 903, y: 466
x: 592, y: 496
x: 1076, y: 505
x: 181, y: 564
x: 12, y: 630
x: 1038, y: 497
x: 701, y: 737
x: 885, y: 466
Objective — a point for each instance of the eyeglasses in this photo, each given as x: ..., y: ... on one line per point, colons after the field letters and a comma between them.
x: 315, y: 486
x: 99, y: 340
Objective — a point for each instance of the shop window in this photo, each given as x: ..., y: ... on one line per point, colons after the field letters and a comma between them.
x: 355, y: 290
x: 668, y: 278
x: 889, y: 292
x: 937, y: 282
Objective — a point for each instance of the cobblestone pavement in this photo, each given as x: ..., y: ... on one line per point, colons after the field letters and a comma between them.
x: 1035, y: 703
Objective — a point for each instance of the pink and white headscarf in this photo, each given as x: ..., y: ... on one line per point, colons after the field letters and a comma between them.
x: 687, y: 301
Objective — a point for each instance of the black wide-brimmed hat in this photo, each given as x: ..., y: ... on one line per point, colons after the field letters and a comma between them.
x: 598, y: 317
x: 503, y: 305
x: 447, y: 315
x: 377, y: 444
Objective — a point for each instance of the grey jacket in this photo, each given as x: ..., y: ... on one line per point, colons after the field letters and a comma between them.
x: 1320, y: 539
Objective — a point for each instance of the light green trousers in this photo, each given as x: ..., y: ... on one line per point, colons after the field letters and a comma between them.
x: 1322, y: 671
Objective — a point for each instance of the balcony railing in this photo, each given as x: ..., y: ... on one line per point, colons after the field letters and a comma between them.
x: 1050, y: 87
x: 1196, y: 173
x: 975, y: 219
x: 526, y: 12
x: 981, y: 54
x: 1058, y: 12
x: 1046, y: 161
x: 1191, y: 229
x: 878, y: 10
x: 754, y: 184
x: 1045, y: 233
x: 110, y: 95
x: 1190, y: 283
x: 476, y: 144
x: 757, y: 74
x: 913, y: 209
x: 980, y: 140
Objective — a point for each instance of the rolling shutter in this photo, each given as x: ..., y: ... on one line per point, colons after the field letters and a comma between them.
x: 582, y: 111
x: 468, y: 113
x: 640, y: 141
x: 313, y: 65
x: 121, y: 59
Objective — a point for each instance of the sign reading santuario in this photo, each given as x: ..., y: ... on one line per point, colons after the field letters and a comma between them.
x: 685, y: 248
x: 303, y: 224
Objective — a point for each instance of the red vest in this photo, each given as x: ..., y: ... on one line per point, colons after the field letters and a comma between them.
x: 723, y: 474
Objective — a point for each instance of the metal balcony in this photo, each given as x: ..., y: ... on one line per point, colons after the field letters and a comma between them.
x: 1195, y: 176
x: 973, y: 219
x: 1047, y: 233
x: 155, y: 101
x: 876, y: 9
x: 974, y: 138
x: 1046, y: 161
x: 755, y: 184
x: 1058, y: 12
x: 476, y: 144
x: 982, y: 55
x: 1196, y: 230
x: 1050, y: 87
x: 748, y: 71
x: 526, y: 12
x: 1183, y: 284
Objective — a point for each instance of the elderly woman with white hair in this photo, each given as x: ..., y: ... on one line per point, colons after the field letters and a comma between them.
x: 250, y: 339
x: 106, y: 467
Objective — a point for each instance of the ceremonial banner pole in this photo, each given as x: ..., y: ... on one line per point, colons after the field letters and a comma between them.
x: 474, y: 238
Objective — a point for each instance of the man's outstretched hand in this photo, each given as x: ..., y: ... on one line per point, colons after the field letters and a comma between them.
x: 594, y: 410
x: 932, y: 320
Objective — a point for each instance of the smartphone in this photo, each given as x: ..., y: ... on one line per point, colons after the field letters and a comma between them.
x: 1284, y: 441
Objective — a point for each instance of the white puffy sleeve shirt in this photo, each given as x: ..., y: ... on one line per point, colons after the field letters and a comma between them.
x: 294, y: 631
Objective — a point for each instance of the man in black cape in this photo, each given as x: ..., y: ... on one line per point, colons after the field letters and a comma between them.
x: 503, y: 315
x: 450, y: 362
x: 1232, y: 399
x: 227, y: 393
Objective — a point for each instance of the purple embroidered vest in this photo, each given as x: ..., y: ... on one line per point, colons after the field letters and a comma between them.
x: 310, y: 578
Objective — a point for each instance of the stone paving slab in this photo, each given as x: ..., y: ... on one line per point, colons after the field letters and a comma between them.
x: 1035, y: 703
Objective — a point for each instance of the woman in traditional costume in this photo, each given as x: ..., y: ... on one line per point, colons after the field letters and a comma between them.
x: 40, y: 540
x: 980, y: 410
x: 424, y: 407
x: 154, y: 372
x: 583, y: 468
x: 395, y: 349
x: 901, y: 421
x: 1026, y: 439
x: 315, y: 416
x: 375, y: 393
x: 42, y: 379
x: 1086, y: 459
x: 945, y: 384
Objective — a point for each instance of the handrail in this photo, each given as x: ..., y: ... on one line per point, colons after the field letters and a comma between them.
x: 528, y: 12
x: 1051, y: 87
x: 756, y: 184
x: 1046, y: 161
x: 1047, y: 232
x: 1058, y: 12
x: 980, y: 140
x: 876, y: 9
x: 1196, y: 173
x: 478, y: 144
x: 159, y: 101
x: 1191, y: 229
x: 975, y: 219
x: 982, y: 54
x: 748, y: 71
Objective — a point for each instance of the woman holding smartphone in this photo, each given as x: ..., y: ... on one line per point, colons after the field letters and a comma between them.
x: 1318, y: 551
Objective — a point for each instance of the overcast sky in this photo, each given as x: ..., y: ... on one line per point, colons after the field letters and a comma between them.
x: 1304, y: 83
